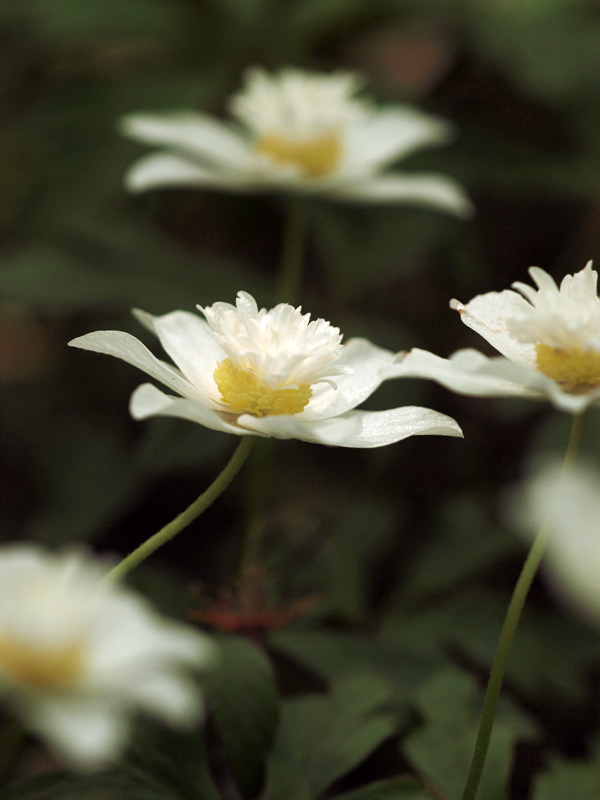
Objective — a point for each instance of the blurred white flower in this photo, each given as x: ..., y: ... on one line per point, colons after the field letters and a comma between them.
x: 549, y: 338
x: 570, y: 505
x: 266, y: 373
x: 78, y: 654
x: 300, y: 132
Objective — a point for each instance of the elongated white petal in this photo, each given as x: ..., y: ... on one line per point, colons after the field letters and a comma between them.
x: 129, y: 349
x: 487, y: 314
x: 168, y: 696
x: 391, y: 134
x: 467, y: 372
x: 190, y: 133
x: 363, y: 429
x: 189, y: 342
x: 569, y: 504
x: 88, y: 733
x: 169, y: 170
x: 367, y: 362
x: 431, y: 191
x: 148, y: 401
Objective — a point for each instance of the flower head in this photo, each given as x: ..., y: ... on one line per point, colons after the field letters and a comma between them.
x: 78, y: 654
x: 250, y: 371
x: 296, y: 131
x: 549, y: 337
x: 573, y: 555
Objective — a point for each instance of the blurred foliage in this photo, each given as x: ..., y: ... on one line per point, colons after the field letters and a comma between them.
x: 406, y: 551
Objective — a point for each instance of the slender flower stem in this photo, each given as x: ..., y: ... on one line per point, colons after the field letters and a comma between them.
x: 288, y: 290
x: 176, y: 525
x: 511, y: 621
x: 292, y: 250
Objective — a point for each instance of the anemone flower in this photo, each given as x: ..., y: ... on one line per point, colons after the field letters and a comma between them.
x: 78, y: 654
x: 273, y: 373
x: 295, y: 132
x: 549, y: 338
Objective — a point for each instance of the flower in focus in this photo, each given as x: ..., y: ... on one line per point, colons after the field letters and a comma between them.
x: 78, y: 654
x: 266, y: 373
x: 570, y: 505
x: 549, y: 338
x: 295, y: 131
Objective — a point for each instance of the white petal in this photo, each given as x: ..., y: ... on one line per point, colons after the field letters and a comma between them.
x: 358, y: 428
x: 487, y: 314
x: 128, y: 348
x: 88, y: 733
x: 565, y: 401
x: 367, y: 362
x: 148, y: 401
x: 189, y: 342
x: 168, y: 170
x: 197, y: 135
x: 171, y: 697
x: 467, y: 372
x: 392, y: 134
x: 430, y: 191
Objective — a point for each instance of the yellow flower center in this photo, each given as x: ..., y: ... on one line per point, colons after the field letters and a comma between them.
x: 246, y: 393
x: 576, y: 370
x: 315, y: 157
x: 41, y: 668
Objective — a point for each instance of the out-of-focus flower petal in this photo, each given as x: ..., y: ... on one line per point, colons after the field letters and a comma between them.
x: 436, y: 191
x: 189, y: 133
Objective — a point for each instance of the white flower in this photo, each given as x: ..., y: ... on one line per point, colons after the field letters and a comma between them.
x: 570, y: 505
x: 266, y: 373
x: 549, y: 338
x: 78, y: 654
x: 296, y: 132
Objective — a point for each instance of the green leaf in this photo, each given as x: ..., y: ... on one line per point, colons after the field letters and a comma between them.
x: 93, y: 787
x: 403, y: 788
x: 162, y: 765
x: 242, y: 696
x: 322, y: 737
x: 442, y: 748
x: 334, y: 655
x: 573, y: 779
x: 472, y: 621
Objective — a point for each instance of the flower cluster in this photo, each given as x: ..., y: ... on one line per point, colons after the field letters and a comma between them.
x: 78, y: 654
x: 296, y: 132
x: 272, y: 373
x: 549, y: 338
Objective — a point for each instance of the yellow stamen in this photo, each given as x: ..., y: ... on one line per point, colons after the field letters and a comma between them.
x: 575, y: 369
x: 245, y: 393
x: 40, y: 668
x: 315, y: 157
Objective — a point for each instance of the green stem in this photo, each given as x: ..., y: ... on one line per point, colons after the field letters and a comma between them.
x: 511, y: 621
x: 292, y: 250
x: 176, y: 525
